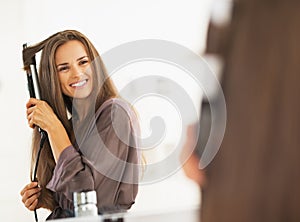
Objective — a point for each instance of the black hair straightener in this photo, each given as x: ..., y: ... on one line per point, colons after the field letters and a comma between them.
x: 34, y: 92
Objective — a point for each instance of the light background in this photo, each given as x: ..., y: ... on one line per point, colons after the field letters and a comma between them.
x: 107, y: 23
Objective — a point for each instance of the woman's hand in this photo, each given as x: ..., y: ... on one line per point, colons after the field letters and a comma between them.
x: 41, y: 114
x: 30, y: 194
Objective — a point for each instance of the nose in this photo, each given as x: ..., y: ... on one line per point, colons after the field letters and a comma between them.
x: 77, y: 71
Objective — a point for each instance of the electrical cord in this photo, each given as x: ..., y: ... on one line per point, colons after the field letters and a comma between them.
x: 42, y: 141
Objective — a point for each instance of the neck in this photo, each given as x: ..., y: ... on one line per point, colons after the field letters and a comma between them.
x: 82, y: 107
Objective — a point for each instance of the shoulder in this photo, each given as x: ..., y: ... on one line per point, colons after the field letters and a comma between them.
x: 115, y: 111
x: 114, y: 106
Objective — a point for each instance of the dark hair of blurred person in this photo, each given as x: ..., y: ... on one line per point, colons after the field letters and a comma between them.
x: 255, y: 176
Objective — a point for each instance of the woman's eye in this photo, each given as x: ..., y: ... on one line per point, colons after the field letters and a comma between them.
x: 63, y: 68
x: 83, y: 62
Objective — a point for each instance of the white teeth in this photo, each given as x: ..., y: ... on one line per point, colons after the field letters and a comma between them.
x: 78, y: 84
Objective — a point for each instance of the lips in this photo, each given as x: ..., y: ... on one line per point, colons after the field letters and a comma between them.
x: 79, y: 83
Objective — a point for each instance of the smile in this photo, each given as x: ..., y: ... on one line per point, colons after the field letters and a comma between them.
x: 79, y: 84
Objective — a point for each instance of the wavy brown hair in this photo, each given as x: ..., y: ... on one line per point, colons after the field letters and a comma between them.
x: 51, y: 92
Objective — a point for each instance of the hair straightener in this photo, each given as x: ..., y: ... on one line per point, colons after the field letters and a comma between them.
x: 34, y: 92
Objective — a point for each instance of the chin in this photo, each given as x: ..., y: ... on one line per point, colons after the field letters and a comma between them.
x: 82, y: 94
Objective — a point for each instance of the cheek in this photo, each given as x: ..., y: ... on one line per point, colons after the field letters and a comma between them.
x: 63, y: 83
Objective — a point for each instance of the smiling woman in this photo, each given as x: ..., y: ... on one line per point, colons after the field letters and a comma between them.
x: 81, y: 151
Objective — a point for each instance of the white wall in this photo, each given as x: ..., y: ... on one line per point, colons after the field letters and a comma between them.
x: 107, y: 23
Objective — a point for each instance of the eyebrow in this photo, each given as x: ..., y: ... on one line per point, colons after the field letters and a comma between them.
x: 62, y: 64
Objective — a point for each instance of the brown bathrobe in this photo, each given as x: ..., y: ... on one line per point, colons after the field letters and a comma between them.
x: 105, y: 161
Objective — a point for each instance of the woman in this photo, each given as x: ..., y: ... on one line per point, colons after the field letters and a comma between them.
x: 95, y: 149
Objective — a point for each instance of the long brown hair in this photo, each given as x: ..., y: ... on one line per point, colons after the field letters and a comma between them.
x: 51, y: 92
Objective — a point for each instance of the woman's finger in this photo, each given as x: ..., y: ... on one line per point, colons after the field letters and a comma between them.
x: 30, y: 119
x: 32, y: 202
x: 31, y: 102
x: 29, y: 186
x: 30, y: 110
x: 33, y: 206
x: 29, y: 193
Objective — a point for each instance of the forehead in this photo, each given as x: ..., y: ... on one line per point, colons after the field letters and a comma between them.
x: 69, y: 51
